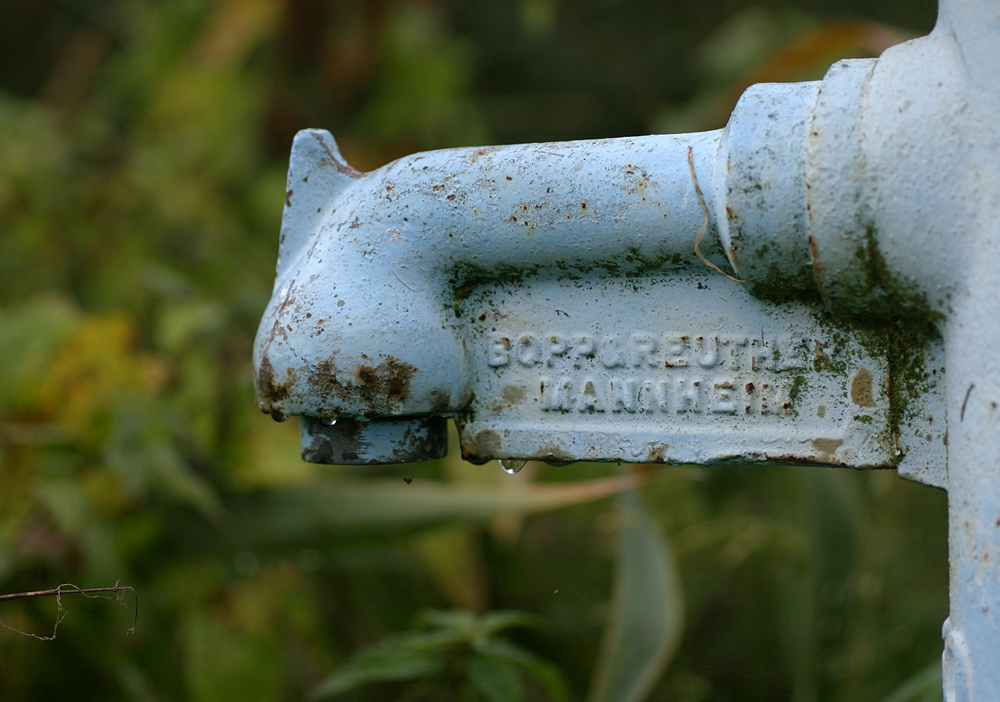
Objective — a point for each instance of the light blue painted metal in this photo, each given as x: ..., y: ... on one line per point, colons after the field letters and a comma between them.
x: 552, y: 298
x: 398, y: 293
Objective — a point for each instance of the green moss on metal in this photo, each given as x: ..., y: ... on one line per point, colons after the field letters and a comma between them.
x: 642, y: 265
x: 883, y: 297
x: 798, y: 385
x: 778, y: 286
x: 464, y: 277
x: 901, y: 343
x: 908, y: 377
x: 904, y: 347
x: 905, y: 325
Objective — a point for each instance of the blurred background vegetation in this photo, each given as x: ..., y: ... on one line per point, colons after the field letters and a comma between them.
x: 142, y: 154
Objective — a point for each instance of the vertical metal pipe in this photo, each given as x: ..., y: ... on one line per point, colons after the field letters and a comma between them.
x: 972, y: 631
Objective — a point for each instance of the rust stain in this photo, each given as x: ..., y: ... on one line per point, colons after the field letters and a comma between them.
x: 280, y: 327
x: 332, y: 160
x: 861, y: 389
x: 657, y: 452
x: 818, y: 271
x: 377, y: 387
x: 482, y: 152
x: 484, y: 446
x: 271, y: 394
x: 441, y: 401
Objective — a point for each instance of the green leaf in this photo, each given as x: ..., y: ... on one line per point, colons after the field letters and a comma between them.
x: 496, y: 679
x: 543, y: 671
x: 456, y: 620
x: 492, y: 669
x: 340, y: 508
x: 647, y: 611
x: 402, y: 657
x: 492, y: 622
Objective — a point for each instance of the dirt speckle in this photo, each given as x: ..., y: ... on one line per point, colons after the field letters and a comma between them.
x: 485, y: 445
x: 826, y: 448
x: 513, y: 394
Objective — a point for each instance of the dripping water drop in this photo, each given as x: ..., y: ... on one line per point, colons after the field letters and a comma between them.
x: 511, y: 465
x: 327, y: 421
x: 278, y: 416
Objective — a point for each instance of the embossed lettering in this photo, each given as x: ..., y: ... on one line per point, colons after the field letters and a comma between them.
x: 556, y: 395
x: 760, y: 355
x: 611, y: 352
x: 640, y: 349
x: 677, y: 374
x: 688, y: 395
x: 589, y: 401
x: 643, y: 349
x: 526, y: 350
x: 723, y: 401
x: 791, y: 353
x: 554, y: 346
x: 736, y: 348
x: 707, y: 351
x: 653, y: 395
x: 498, y: 350
x: 583, y: 348
x: 677, y: 349
x: 624, y: 393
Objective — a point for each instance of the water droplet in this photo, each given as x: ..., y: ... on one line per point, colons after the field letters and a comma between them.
x: 511, y: 465
x: 327, y: 421
x: 278, y: 416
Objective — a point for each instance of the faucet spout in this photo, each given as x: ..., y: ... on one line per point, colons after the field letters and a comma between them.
x: 362, y: 323
x: 365, y: 322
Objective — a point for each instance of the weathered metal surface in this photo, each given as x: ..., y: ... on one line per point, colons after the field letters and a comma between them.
x: 761, y: 194
x: 905, y: 204
x: 682, y: 368
x: 371, y: 316
x: 551, y: 298
x: 377, y: 442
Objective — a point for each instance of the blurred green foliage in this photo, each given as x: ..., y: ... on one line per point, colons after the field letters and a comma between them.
x: 142, y: 156
x: 454, y: 656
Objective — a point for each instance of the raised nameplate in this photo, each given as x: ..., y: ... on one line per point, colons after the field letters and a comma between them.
x: 688, y: 369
